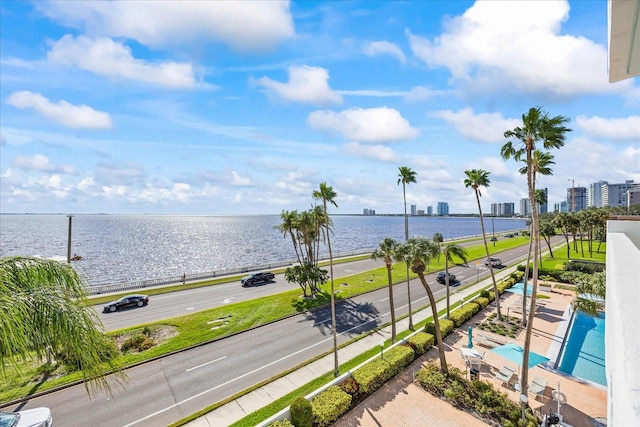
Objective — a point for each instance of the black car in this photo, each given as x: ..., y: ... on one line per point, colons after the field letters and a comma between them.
x: 440, y: 278
x: 255, y: 278
x: 128, y: 301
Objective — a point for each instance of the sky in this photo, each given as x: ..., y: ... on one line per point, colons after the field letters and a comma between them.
x: 214, y: 108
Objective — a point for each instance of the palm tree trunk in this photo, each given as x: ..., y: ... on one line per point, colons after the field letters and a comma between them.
x: 436, y: 323
x: 391, y: 305
x: 406, y: 238
x: 446, y: 278
x: 486, y: 248
x: 336, y: 370
x: 526, y: 276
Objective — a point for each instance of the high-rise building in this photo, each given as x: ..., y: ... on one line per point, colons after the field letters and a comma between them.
x: 525, y: 207
x: 594, y: 197
x: 544, y: 206
x: 413, y: 210
x: 616, y: 194
x: 368, y: 212
x: 577, y: 198
x: 429, y: 210
x: 508, y: 209
x: 562, y: 207
x: 502, y: 209
x: 420, y: 212
x: 443, y: 208
x: 633, y: 197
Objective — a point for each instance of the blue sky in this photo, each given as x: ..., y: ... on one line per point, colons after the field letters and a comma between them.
x: 246, y: 107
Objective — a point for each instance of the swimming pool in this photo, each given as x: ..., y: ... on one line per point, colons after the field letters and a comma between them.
x: 583, y: 354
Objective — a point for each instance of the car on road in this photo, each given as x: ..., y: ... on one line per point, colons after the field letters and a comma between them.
x: 495, y: 262
x: 36, y: 417
x: 126, y: 302
x: 493, y: 239
x: 256, y: 278
x: 440, y: 278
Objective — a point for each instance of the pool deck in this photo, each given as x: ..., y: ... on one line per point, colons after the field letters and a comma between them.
x: 403, y: 403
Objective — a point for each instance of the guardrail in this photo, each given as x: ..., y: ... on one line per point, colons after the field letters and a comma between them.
x: 184, y: 278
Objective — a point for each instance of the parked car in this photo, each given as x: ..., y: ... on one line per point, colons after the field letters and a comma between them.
x: 36, y: 417
x: 126, y: 301
x: 440, y: 278
x: 255, y: 278
x: 495, y: 262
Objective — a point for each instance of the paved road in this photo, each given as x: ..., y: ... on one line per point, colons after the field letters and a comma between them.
x: 167, y: 390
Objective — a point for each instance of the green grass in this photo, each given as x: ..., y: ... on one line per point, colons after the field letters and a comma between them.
x: 560, y: 255
x: 209, y: 325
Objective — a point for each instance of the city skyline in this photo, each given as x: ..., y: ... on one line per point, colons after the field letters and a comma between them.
x: 246, y: 107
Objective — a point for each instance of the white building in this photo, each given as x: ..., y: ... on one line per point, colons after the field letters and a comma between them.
x: 594, y: 197
x: 616, y: 194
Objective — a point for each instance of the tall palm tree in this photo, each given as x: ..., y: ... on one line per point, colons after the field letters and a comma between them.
x: 386, y: 252
x: 328, y: 195
x: 418, y: 251
x: 477, y: 178
x: 450, y: 251
x: 438, y: 239
x: 43, y: 311
x: 407, y: 176
x: 536, y: 127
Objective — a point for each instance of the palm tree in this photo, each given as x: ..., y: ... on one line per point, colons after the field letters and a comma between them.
x: 451, y: 250
x: 328, y: 195
x: 536, y: 127
x: 43, y: 311
x: 407, y: 176
x: 477, y: 178
x: 418, y: 251
x: 386, y: 252
x: 438, y: 239
x: 590, y: 294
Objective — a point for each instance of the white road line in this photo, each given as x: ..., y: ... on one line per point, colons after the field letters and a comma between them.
x: 228, y: 300
x: 205, y: 364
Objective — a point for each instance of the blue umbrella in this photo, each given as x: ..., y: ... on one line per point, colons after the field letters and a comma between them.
x: 515, y: 354
x: 470, y: 332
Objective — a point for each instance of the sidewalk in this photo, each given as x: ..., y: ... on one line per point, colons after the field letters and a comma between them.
x: 263, y: 396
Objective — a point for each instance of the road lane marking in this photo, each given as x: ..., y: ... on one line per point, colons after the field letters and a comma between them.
x: 205, y: 364
x: 228, y: 300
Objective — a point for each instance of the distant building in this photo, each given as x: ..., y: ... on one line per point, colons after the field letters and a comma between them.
x: 420, y: 212
x: 430, y: 210
x: 633, y: 198
x: 562, y: 207
x: 413, y: 210
x: 577, y: 198
x: 368, y: 212
x: 594, y: 197
x: 443, y: 208
x: 502, y: 209
x: 616, y: 194
x: 508, y: 209
x: 544, y: 206
x: 525, y: 207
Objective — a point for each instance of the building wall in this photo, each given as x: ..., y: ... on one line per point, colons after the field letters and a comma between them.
x: 443, y: 208
x: 622, y: 341
x: 616, y: 194
x: 594, y: 197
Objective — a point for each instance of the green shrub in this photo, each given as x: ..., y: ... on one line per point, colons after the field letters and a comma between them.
x: 588, y: 267
x: 446, y: 327
x: 301, y: 413
x: 329, y: 405
x: 281, y: 423
x: 146, y: 344
x: 482, y: 301
x: 377, y: 372
x: 421, y: 342
x: 484, y: 294
x: 464, y: 313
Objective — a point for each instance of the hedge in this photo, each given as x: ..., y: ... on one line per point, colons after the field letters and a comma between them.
x: 374, y: 374
x: 482, y: 301
x: 464, y: 313
x: 446, y: 327
x: 421, y: 342
x: 301, y: 413
x: 329, y: 405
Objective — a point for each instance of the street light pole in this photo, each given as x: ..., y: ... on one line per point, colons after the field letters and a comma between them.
x: 69, y: 241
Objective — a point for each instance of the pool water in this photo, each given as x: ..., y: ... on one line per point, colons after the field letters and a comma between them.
x: 583, y: 355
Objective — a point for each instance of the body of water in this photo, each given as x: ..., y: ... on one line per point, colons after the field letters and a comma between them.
x: 583, y: 355
x: 120, y: 248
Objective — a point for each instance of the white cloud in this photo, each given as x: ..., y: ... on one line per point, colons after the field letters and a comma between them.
x: 483, y: 127
x: 306, y: 84
x: 41, y: 163
x: 384, y: 48
x: 518, y: 45
x: 378, y: 152
x: 380, y: 124
x: 64, y: 113
x: 421, y: 93
x: 626, y: 129
x: 118, y: 174
x: 238, y: 180
x: 107, y: 58
x: 244, y: 25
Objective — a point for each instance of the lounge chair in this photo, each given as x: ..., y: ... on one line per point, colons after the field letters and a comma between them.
x: 505, y: 374
x: 538, y: 386
x: 491, y: 342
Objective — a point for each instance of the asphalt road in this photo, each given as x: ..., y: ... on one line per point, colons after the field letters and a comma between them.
x: 164, y: 391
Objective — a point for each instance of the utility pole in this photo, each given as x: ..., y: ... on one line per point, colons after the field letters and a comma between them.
x: 69, y: 241
x: 573, y: 198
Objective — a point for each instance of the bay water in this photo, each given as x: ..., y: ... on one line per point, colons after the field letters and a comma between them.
x: 121, y: 248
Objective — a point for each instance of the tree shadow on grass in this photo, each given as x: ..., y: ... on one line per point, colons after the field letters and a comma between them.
x: 352, y: 318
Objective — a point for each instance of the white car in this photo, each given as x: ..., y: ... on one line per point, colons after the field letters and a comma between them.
x: 36, y: 417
